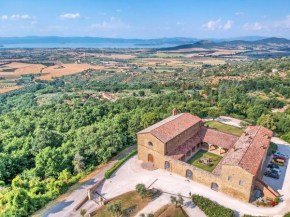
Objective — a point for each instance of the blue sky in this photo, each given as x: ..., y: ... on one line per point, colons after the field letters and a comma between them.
x: 145, y: 18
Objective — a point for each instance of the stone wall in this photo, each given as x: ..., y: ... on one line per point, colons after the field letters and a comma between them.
x: 237, y: 182
x: 199, y: 175
x: 230, y: 187
x: 157, y: 150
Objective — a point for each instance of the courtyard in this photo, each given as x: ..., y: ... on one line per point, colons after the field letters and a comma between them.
x: 196, y: 160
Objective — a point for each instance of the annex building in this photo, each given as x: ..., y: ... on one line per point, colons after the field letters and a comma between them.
x: 170, y: 143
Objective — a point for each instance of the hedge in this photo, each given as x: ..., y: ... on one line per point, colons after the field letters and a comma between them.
x: 210, y: 208
x: 118, y: 164
x: 287, y: 214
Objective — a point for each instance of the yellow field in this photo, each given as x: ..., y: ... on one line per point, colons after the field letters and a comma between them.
x: 65, y: 69
x: 7, y: 89
x: 21, y: 69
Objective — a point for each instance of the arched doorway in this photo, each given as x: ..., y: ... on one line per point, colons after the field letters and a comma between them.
x: 189, y: 174
x: 214, y: 186
x: 150, y: 158
x: 167, y: 165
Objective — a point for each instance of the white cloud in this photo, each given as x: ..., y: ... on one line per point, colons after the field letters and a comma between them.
x: 4, y: 17
x: 255, y: 26
x: 180, y: 23
x: 118, y: 10
x: 112, y: 24
x: 229, y: 24
x: 239, y: 13
x: 264, y: 16
x: 20, y: 17
x: 211, y: 25
x: 70, y: 16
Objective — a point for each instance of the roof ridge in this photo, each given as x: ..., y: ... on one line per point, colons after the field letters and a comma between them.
x: 249, y: 145
x: 180, y: 114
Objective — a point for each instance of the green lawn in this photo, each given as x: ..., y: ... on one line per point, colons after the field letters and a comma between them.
x: 195, y: 160
x: 224, y: 127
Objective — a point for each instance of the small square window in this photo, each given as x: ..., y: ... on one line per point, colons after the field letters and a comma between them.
x: 229, y: 178
x: 241, y: 182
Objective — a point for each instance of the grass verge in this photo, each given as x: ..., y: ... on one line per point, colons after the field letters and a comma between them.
x: 224, y: 128
x: 119, y: 163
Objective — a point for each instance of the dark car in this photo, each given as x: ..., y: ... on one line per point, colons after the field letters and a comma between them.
x: 272, y: 166
x: 272, y: 175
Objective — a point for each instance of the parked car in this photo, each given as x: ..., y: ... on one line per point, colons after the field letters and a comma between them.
x: 275, y: 170
x: 280, y: 154
x: 273, y: 166
x: 272, y: 175
x: 279, y: 157
x: 279, y: 162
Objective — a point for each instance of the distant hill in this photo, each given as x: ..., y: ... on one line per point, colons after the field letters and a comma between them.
x: 64, y: 40
x: 234, y: 43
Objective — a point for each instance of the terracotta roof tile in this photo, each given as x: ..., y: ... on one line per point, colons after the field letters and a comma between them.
x: 250, y: 149
x: 181, y: 150
x: 215, y: 137
x: 172, y: 126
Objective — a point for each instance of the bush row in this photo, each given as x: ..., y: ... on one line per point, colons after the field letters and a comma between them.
x: 118, y: 164
x: 210, y: 208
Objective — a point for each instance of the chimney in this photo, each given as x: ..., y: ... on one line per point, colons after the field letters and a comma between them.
x: 174, y: 112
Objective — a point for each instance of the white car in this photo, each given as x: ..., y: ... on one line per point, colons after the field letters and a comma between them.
x: 274, y: 170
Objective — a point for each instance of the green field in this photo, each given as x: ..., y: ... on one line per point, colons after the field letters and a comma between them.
x: 195, y: 160
x: 224, y: 128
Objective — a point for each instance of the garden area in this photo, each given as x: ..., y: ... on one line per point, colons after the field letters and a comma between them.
x: 170, y: 210
x: 129, y: 204
x: 210, y: 208
x: 201, y: 154
x: 224, y: 128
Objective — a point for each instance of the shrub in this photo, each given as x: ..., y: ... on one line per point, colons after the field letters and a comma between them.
x: 287, y: 214
x: 118, y: 164
x: 273, y: 147
x: 210, y: 208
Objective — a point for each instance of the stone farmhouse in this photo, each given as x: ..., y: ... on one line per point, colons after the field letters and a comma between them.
x: 170, y: 143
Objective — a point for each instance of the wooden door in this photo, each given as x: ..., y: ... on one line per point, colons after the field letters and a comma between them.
x: 150, y: 158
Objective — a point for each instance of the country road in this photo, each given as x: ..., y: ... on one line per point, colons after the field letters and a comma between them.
x: 66, y: 207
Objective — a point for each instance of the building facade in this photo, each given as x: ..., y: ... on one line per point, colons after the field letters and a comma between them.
x: 170, y: 143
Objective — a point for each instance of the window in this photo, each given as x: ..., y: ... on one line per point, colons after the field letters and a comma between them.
x: 241, y: 182
x: 150, y: 143
x: 229, y: 178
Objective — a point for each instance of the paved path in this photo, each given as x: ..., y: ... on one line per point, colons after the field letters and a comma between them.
x: 66, y: 207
